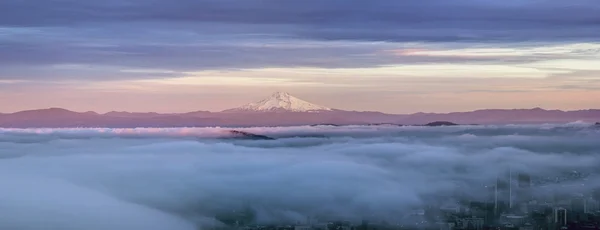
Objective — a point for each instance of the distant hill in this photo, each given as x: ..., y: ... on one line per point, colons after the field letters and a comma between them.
x: 441, y: 123
x: 505, y: 116
x: 283, y: 109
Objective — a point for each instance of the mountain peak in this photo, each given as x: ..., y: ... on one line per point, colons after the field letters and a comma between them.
x: 280, y: 102
x: 280, y: 94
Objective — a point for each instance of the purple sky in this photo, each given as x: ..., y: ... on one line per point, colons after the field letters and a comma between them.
x: 386, y: 55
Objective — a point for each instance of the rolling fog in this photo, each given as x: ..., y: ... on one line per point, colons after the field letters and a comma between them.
x: 182, y: 178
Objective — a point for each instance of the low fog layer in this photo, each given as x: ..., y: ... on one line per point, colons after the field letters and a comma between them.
x: 189, y: 178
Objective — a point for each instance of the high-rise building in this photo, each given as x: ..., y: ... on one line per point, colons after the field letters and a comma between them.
x: 503, y: 200
x: 473, y: 223
x: 592, y: 206
x: 596, y: 194
x: 523, y: 191
x: 524, y: 180
x: 578, y: 209
x: 560, y: 217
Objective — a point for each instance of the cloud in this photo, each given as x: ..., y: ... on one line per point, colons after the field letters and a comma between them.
x: 113, y: 57
x: 173, y: 178
x: 334, y: 19
x: 179, y: 35
x: 83, y: 209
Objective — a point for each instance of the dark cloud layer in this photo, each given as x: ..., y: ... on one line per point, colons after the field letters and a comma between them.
x: 361, y: 17
x: 180, y: 178
x: 187, y: 35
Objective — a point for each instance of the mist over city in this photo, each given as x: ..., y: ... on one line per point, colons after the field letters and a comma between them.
x: 208, y: 178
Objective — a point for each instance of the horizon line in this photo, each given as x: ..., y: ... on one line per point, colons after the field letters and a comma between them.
x: 340, y: 110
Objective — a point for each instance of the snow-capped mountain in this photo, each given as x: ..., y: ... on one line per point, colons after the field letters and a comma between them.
x: 280, y: 102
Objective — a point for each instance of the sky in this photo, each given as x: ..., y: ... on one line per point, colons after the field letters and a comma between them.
x: 378, y: 55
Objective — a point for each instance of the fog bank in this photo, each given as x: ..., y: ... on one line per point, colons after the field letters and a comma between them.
x: 184, y: 178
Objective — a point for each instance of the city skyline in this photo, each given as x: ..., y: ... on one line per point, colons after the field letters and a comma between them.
x: 389, y: 56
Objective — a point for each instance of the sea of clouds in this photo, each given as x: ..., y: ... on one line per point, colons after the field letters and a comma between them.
x: 183, y: 178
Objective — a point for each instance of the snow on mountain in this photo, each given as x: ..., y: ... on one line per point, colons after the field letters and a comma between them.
x: 280, y: 102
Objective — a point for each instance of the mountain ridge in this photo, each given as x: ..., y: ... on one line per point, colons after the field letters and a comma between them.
x: 282, y: 109
x: 69, y: 119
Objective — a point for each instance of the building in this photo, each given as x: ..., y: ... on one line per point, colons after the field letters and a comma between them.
x: 592, y: 206
x: 523, y: 188
x: 526, y: 226
x: 514, y: 220
x: 524, y: 180
x: 473, y: 223
x: 503, y: 195
x: 302, y: 227
x: 560, y: 217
